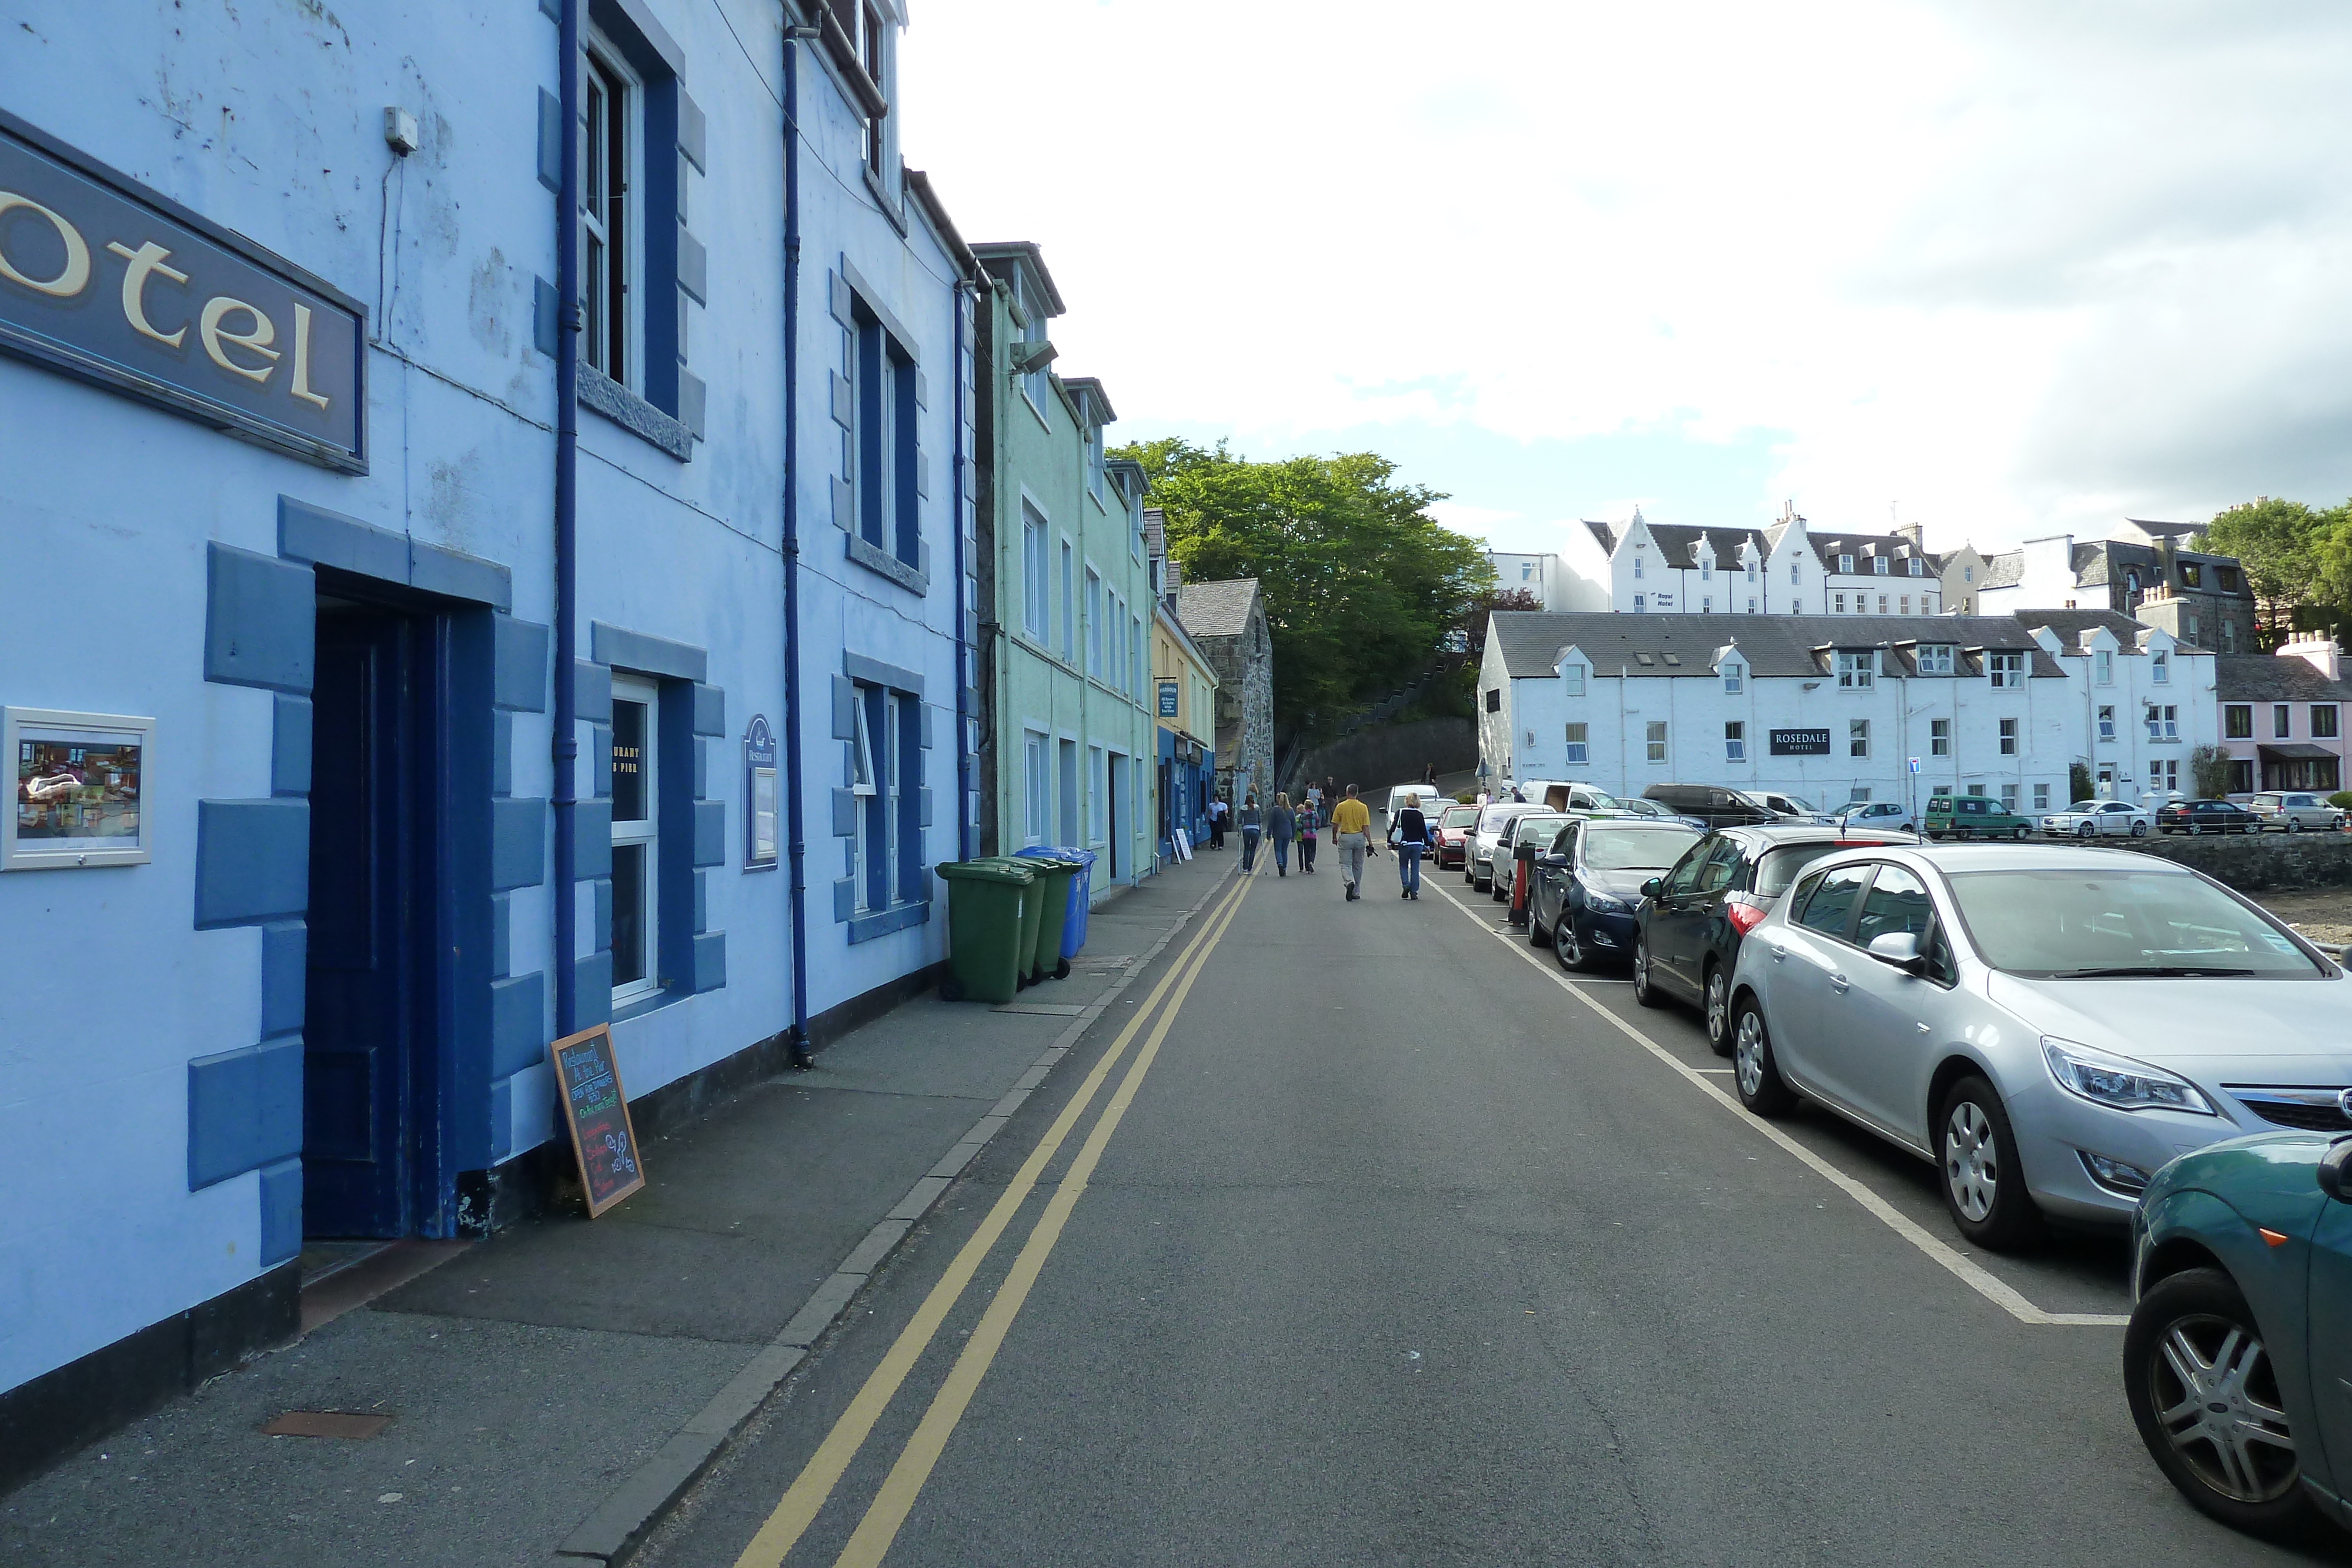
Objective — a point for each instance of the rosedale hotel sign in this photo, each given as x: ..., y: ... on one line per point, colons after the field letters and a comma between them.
x: 105, y: 280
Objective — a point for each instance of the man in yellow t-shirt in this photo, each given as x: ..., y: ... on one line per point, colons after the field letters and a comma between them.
x: 1351, y: 827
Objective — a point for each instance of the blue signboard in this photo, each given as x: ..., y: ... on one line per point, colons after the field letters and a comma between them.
x: 104, y: 279
x: 1168, y: 699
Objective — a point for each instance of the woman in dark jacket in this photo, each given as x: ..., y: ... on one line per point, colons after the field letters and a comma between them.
x: 1281, y: 826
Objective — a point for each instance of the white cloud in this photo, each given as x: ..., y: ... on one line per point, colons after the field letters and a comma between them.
x: 2006, y: 265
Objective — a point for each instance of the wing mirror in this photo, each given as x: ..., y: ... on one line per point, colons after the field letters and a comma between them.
x: 1655, y: 887
x: 1899, y: 949
x: 1551, y: 862
x: 2333, y: 1180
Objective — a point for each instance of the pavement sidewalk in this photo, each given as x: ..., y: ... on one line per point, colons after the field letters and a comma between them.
x: 553, y: 1388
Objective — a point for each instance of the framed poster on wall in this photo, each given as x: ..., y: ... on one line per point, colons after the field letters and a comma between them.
x: 77, y: 789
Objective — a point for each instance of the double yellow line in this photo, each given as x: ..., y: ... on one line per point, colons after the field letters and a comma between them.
x: 814, y: 1486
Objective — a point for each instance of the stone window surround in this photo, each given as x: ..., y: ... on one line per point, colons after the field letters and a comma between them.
x: 857, y: 669
x: 847, y: 289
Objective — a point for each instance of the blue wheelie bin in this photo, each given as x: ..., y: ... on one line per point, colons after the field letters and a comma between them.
x: 1082, y: 886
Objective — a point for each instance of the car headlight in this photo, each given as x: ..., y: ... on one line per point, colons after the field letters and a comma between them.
x: 2118, y: 1082
x: 1607, y: 902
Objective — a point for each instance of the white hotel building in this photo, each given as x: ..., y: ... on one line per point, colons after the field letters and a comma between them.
x: 1645, y: 568
x: 1834, y: 710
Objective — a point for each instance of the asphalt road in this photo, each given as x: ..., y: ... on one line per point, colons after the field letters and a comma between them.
x: 1401, y: 1251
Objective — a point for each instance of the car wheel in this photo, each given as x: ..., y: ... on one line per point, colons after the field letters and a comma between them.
x: 2294, y: 824
x: 1753, y: 1072
x: 2019, y: 834
x: 2204, y: 1394
x: 1718, y: 1009
x: 1536, y: 936
x: 2139, y: 829
x: 1644, y: 991
x: 1568, y: 947
x: 2083, y: 832
x: 1983, y: 1185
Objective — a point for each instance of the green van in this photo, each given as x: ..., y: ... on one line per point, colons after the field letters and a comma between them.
x: 1973, y: 817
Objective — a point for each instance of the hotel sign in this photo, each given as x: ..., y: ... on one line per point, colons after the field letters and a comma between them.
x: 1800, y: 742
x: 105, y: 280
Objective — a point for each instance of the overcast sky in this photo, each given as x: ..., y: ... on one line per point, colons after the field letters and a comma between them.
x: 2005, y: 269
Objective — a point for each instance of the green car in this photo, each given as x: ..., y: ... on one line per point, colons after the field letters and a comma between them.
x: 1973, y: 817
x: 2237, y: 1362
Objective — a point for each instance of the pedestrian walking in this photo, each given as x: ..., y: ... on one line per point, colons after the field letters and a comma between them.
x: 1252, y: 827
x: 1409, y: 835
x: 1352, y: 825
x: 1216, y: 824
x: 1429, y: 774
x: 1281, y: 827
x: 1306, y: 830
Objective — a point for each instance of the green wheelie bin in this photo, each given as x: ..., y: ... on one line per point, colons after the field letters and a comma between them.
x: 1053, y: 874
x: 992, y: 911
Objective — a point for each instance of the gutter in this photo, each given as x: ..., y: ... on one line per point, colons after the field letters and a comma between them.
x: 797, y: 1040
x: 565, y: 750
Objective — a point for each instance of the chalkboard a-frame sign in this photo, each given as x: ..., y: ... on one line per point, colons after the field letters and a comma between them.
x: 588, y: 1083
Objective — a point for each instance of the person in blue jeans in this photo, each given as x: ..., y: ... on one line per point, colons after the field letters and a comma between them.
x: 1409, y: 836
x: 1252, y: 827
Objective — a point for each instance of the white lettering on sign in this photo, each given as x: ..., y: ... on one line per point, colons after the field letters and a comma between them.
x: 75, y: 276
x: 257, y: 338
x: 146, y: 262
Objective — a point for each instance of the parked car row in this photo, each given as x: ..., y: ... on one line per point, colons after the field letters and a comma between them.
x: 2063, y: 1034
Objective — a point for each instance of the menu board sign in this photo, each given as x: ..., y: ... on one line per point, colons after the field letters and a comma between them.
x: 76, y: 786
x: 588, y: 1083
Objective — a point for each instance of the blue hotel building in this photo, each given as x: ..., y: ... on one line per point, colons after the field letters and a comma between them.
x: 483, y: 554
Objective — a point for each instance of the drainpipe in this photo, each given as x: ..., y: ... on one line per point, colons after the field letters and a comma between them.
x: 565, y: 751
x: 955, y: 528
x: 798, y: 1044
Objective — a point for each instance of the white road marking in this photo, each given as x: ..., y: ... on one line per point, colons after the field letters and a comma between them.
x: 1967, y: 1270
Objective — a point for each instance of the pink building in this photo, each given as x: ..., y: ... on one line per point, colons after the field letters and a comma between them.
x: 2283, y: 716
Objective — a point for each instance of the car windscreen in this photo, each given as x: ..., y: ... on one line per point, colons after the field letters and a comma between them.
x: 1779, y: 867
x: 2084, y: 806
x: 1634, y: 849
x: 1596, y: 801
x: 2120, y: 924
x: 1497, y: 816
x: 1458, y: 817
x: 1533, y: 828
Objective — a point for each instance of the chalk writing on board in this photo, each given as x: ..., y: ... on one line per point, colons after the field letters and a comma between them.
x: 597, y: 1112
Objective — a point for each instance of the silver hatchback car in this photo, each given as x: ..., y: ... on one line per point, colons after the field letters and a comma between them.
x: 2048, y: 1026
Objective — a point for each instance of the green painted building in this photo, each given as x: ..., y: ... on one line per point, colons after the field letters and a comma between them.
x: 1066, y: 740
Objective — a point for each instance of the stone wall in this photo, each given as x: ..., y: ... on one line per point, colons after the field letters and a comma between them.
x: 2264, y: 863
x: 1386, y: 755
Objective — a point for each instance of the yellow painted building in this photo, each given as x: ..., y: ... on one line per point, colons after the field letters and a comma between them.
x: 1185, y: 693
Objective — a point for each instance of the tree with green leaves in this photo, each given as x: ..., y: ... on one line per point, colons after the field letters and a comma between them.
x: 2283, y: 547
x: 1361, y: 583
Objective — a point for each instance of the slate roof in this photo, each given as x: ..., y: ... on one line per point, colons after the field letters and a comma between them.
x: 2070, y: 625
x: 1528, y: 641
x: 2006, y: 570
x: 1216, y: 608
x: 2273, y: 678
x: 1677, y: 542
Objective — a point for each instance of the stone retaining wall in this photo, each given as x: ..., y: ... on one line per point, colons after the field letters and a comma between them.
x: 2264, y: 863
x: 1385, y: 755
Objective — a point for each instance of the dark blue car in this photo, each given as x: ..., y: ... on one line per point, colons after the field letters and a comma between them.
x: 1589, y: 882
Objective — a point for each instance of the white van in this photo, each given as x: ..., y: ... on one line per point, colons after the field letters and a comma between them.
x: 1430, y: 797
x: 1570, y: 796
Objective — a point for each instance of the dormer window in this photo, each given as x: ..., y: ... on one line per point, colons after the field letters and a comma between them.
x: 1732, y: 677
x: 2105, y: 661
x: 1916, y: 569
x: 1845, y: 563
x: 1936, y: 659
x: 1572, y: 679
x: 2006, y: 669
x: 1706, y: 568
x: 1796, y: 570
x: 1878, y: 565
x: 1857, y: 671
x: 2159, y: 669
x: 1967, y: 574
x: 1751, y: 572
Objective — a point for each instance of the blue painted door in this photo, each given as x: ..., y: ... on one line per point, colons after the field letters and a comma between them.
x: 367, y: 1131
